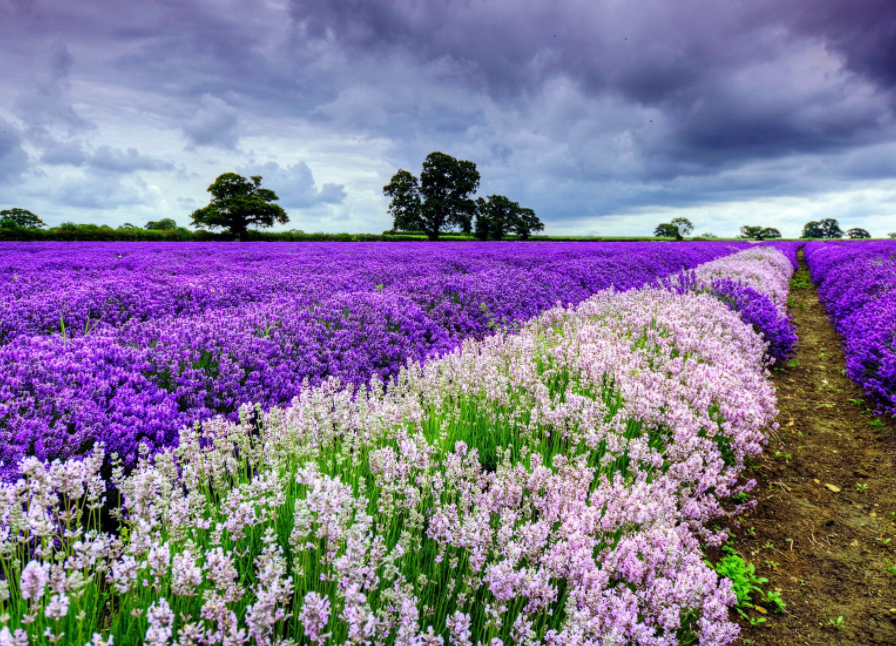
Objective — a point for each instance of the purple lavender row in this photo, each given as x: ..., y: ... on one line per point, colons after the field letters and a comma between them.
x: 857, y: 284
x: 131, y: 342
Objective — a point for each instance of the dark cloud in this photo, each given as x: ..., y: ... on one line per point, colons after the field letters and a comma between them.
x: 295, y: 185
x: 572, y: 106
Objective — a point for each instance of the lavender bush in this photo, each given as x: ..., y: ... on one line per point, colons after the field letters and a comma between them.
x: 551, y: 486
x: 129, y: 342
x: 730, y: 278
x: 857, y: 284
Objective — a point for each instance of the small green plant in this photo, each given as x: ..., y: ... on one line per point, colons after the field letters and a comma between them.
x: 793, y: 363
x: 801, y: 280
x: 772, y: 564
x: 876, y: 423
x: 836, y: 623
x: 742, y: 497
x: 774, y: 599
x: 891, y: 567
x: 744, y: 581
x: 862, y: 487
x: 768, y: 545
x: 380, y: 287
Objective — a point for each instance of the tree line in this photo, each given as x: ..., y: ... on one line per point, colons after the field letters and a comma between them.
x: 826, y: 229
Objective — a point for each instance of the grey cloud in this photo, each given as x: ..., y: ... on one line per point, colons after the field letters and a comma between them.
x: 295, y: 185
x: 48, y: 104
x: 13, y: 158
x: 125, y: 161
x: 213, y: 124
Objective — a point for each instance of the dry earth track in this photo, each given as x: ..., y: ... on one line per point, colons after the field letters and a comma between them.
x: 827, y: 483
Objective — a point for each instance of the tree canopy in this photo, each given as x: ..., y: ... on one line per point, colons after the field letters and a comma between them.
x: 239, y: 203
x: 16, y: 217
x: 498, y: 216
x: 165, y: 224
x: 827, y: 229
x: 440, y: 200
x: 858, y: 234
x: 677, y: 228
x: 759, y: 233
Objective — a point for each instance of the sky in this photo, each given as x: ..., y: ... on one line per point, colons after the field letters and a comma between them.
x: 605, y: 116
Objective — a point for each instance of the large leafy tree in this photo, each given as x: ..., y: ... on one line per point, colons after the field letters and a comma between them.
x: 16, y: 217
x: 759, y: 233
x: 677, y: 228
x: 239, y: 203
x: 858, y: 234
x: 828, y: 229
x: 439, y: 201
x: 499, y: 216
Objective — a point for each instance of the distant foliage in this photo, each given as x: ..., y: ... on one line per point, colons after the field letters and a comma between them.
x: 759, y: 233
x: 677, y: 228
x: 165, y: 224
x: 858, y: 234
x: 498, y: 217
x: 20, y: 218
x: 827, y: 229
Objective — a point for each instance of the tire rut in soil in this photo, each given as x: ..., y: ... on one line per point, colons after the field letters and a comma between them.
x: 826, y: 481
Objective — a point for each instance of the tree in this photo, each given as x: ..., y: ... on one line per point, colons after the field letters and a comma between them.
x: 498, y: 216
x: 892, y: 236
x: 683, y: 225
x: 127, y: 225
x: 858, y: 234
x: 827, y: 229
x: 667, y: 230
x: 165, y: 224
x: 239, y: 203
x: 677, y: 228
x: 15, y: 217
x: 526, y: 223
x: 759, y: 233
x: 439, y: 201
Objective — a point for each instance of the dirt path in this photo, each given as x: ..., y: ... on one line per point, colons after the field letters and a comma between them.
x: 826, y: 502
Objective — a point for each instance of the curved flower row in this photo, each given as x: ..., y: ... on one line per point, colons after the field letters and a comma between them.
x: 551, y: 487
x: 857, y: 284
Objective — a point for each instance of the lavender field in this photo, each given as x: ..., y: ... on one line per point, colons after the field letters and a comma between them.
x: 131, y: 342
x: 857, y: 283
x: 404, y: 444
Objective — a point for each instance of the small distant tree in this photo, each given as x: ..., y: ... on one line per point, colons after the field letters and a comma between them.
x: 498, y: 216
x: 684, y: 226
x: 127, y: 225
x: 827, y: 229
x: 440, y: 200
x: 709, y: 236
x: 667, y: 230
x: 15, y: 217
x: 239, y: 203
x: 759, y: 233
x: 165, y: 224
x: 68, y: 226
x: 677, y: 228
x: 858, y: 234
x: 892, y: 236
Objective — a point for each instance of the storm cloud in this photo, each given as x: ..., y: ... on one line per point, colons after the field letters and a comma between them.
x: 599, y: 114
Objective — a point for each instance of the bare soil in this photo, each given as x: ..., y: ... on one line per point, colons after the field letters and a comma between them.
x: 824, y: 529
